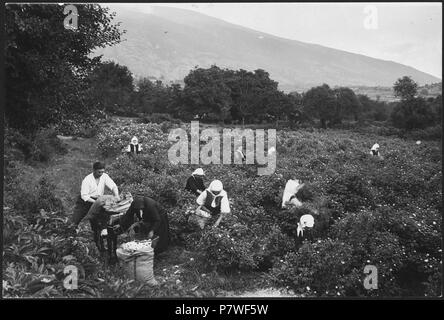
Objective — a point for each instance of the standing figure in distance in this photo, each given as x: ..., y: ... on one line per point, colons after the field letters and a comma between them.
x: 375, y: 150
x: 134, y: 148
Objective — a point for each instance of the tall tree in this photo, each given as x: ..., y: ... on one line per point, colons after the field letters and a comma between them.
x: 348, y: 105
x: 320, y: 102
x: 111, y: 87
x: 46, y: 64
x: 413, y: 114
x: 405, y: 88
x: 206, y: 94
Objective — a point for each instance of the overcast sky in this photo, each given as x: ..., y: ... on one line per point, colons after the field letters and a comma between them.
x: 408, y: 33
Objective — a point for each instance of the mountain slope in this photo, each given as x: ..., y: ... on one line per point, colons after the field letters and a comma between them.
x: 168, y: 42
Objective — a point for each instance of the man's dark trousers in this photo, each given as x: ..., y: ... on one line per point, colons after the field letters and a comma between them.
x: 81, y: 208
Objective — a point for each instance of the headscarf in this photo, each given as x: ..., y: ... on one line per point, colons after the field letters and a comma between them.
x: 138, y: 203
x: 134, y: 140
x: 216, y: 186
x: 375, y: 146
x: 198, y: 172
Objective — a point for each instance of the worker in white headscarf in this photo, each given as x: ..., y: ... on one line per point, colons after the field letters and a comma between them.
x: 195, y: 183
x: 306, y: 221
x: 305, y: 229
x: 375, y: 150
x: 291, y: 189
x: 214, y: 200
x: 134, y: 147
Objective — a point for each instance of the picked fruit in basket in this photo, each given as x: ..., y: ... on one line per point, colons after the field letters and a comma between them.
x: 137, y: 245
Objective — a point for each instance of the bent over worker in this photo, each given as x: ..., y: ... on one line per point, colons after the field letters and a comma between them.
x: 215, y: 200
x: 148, y: 220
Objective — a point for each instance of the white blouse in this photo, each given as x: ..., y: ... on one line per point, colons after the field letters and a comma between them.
x: 90, y: 188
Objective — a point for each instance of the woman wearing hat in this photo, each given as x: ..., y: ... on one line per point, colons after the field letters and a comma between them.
x: 214, y: 200
x: 195, y: 183
x: 134, y: 147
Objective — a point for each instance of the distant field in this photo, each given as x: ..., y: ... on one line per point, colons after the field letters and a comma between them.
x: 386, y: 93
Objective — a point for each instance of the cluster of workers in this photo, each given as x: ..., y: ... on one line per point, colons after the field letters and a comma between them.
x: 146, y: 217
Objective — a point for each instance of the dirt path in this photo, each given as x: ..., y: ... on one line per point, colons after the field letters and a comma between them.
x: 67, y: 171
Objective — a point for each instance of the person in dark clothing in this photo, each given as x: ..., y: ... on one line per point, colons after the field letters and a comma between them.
x: 99, y: 220
x: 304, y: 194
x: 195, y: 183
x: 148, y: 220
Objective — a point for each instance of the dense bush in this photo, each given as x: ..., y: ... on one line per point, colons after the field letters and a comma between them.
x: 323, y: 268
x: 42, y: 146
x: 84, y: 125
x: 398, y: 244
x: 349, y: 193
x: 46, y: 145
x: 159, y: 118
x: 28, y: 193
x: 430, y: 133
x: 412, y: 114
x: 228, y: 250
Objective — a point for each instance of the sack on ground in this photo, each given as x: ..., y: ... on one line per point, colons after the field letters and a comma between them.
x: 137, y: 258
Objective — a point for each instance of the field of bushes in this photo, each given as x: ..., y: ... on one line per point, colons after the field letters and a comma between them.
x: 369, y: 211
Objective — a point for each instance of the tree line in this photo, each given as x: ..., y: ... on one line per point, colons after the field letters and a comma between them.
x: 240, y: 96
x: 51, y: 77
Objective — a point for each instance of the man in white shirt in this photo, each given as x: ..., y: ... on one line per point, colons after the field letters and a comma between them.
x: 93, y: 186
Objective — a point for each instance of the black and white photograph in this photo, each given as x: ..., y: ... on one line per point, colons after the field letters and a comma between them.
x: 223, y: 151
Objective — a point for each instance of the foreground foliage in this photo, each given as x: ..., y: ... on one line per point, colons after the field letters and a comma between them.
x: 368, y: 211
